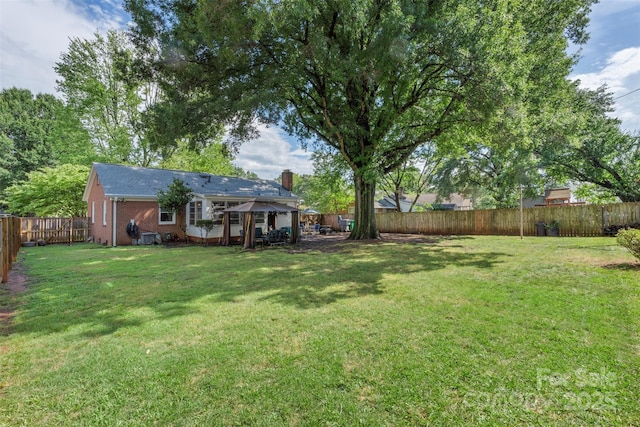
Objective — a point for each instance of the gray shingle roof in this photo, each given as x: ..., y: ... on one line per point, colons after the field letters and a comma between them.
x: 134, y: 181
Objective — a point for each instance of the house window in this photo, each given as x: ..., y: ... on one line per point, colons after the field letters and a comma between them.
x: 234, y: 217
x: 104, y: 213
x: 166, y: 216
x: 93, y: 212
x: 195, y: 211
x: 216, y: 212
x: 260, y: 218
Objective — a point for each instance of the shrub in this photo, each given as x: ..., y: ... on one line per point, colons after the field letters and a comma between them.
x: 630, y: 239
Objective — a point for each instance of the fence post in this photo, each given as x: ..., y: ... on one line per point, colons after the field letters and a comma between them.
x: 2, y: 270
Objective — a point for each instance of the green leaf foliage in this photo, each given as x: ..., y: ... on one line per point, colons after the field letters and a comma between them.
x: 214, y: 159
x: 100, y: 79
x: 176, y: 196
x: 328, y: 190
x: 630, y: 239
x: 585, y: 144
x: 174, y: 199
x: 35, y: 132
x: 373, y: 80
x: 50, y: 191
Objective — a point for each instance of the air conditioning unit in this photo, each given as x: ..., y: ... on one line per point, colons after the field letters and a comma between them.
x: 147, y: 239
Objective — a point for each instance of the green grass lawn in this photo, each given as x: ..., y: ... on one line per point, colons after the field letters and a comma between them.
x: 460, y: 331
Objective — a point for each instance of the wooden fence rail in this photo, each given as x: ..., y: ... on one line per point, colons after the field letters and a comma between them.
x: 9, y: 244
x: 55, y: 230
x: 579, y: 221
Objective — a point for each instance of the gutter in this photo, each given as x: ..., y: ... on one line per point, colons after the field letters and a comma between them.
x: 115, y: 218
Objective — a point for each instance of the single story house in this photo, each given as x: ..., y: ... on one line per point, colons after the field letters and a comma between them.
x: 388, y: 204
x: 553, y: 197
x: 119, y: 195
x: 427, y: 201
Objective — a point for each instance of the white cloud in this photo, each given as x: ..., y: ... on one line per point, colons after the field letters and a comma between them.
x: 621, y: 74
x: 271, y: 153
x: 34, y: 33
x: 620, y: 68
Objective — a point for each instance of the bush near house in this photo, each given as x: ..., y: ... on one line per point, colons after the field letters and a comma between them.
x: 630, y: 239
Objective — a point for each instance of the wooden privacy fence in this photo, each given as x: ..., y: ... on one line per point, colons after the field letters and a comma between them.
x: 55, y: 230
x: 581, y: 220
x: 10, y: 244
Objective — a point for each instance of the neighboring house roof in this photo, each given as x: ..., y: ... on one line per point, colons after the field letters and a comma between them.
x: 531, y: 202
x: 428, y: 200
x: 143, y: 183
x: 390, y: 204
x: 552, y: 197
x: 456, y: 200
x: 557, y: 193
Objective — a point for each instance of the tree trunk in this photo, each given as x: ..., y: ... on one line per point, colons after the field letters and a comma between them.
x: 365, y: 220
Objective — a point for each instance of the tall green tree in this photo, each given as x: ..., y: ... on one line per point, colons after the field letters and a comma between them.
x: 595, y: 150
x: 50, y: 191
x: 37, y: 131
x: 101, y: 80
x: 372, y: 79
x: 214, y: 158
x: 70, y: 141
x: 329, y: 189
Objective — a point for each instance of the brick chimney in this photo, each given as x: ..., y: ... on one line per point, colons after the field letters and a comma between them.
x: 287, y: 180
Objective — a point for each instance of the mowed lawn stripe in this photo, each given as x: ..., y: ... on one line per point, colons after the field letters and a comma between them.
x: 450, y: 331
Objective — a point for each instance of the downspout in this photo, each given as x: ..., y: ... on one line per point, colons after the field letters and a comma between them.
x: 115, y: 217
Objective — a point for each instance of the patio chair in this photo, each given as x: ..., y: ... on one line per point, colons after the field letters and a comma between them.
x: 276, y: 237
x: 260, y: 237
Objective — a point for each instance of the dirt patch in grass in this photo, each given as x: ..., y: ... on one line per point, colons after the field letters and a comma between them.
x: 336, y: 242
x: 16, y: 284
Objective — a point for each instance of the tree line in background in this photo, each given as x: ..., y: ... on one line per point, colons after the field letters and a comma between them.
x: 47, y: 144
x: 438, y: 96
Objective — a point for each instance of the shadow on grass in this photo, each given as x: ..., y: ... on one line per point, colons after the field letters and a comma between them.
x: 101, y: 292
x: 624, y: 266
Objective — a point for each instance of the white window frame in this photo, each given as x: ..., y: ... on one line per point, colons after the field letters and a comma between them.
x: 216, y: 211
x: 104, y: 213
x: 161, y: 211
x: 234, y: 217
x: 193, y: 213
x: 93, y: 212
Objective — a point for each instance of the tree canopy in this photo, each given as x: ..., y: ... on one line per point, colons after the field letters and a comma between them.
x: 328, y: 190
x: 373, y: 79
x: 101, y: 80
x: 36, y: 131
x: 588, y: 146
x: 50, y: 191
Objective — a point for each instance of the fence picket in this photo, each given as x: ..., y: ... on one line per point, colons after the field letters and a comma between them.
x: 579, y: 221
x: 9, y: 245
x: 55, y: 230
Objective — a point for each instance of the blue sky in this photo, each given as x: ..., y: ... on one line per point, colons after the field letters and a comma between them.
x: 34, y: 33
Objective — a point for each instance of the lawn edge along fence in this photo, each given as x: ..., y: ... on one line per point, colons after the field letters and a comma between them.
x: 10, y: 235
x: 575, y: 221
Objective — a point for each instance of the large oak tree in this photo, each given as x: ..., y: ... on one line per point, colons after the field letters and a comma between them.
x: 373, y: 79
